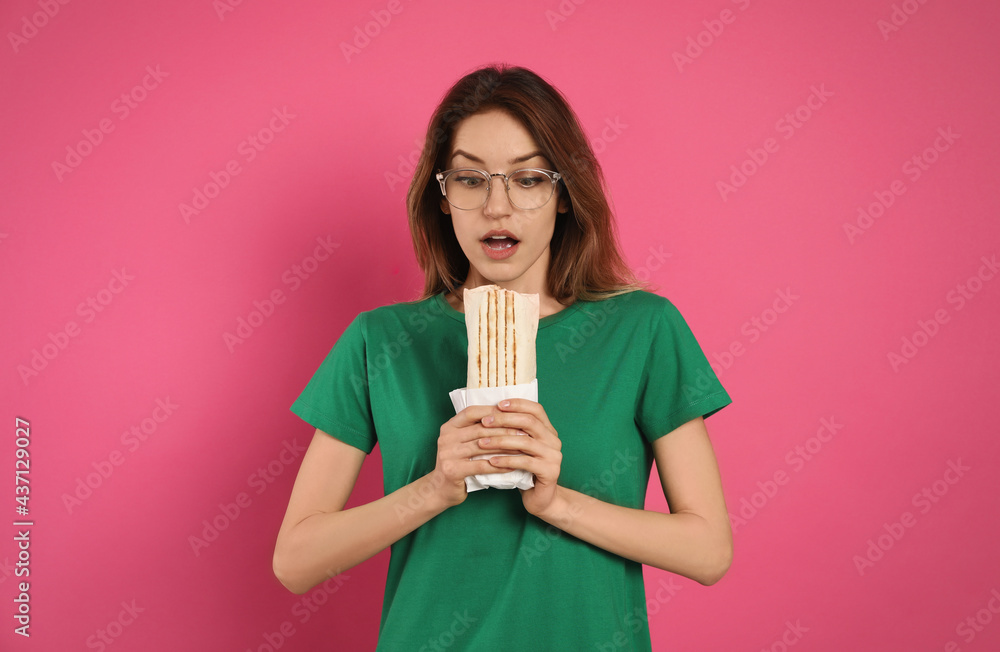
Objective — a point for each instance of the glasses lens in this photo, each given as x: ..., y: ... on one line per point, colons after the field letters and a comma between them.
x: 530, y: 188
x: 469, y: 189
x: 466, y: 189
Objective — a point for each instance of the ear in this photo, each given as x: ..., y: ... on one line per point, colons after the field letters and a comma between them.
x: 445, y: 206
x: 563, y: 206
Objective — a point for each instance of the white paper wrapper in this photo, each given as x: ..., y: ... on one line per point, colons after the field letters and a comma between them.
x: 461, y: 399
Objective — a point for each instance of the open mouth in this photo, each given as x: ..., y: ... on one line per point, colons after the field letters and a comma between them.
x: 499, y: 242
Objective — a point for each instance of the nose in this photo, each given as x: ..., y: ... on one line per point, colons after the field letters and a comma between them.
x: 497, y: 204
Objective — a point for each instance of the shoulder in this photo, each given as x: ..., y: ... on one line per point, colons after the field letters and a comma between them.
x: 403, y: 316
x: 635, y: 305
x: 638, y: 314
x: 403, y: 309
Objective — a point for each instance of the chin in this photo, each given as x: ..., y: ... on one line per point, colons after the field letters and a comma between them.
x: 492, y: 271
x: 504, y: 276
x: 505, y: 271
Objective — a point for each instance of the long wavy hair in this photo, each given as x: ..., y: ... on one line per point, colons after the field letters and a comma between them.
x: 586, y: 262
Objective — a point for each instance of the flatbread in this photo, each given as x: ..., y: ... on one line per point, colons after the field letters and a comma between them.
x: 502, y: 326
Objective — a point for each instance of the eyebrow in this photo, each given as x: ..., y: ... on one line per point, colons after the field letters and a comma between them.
x: 519, y: 159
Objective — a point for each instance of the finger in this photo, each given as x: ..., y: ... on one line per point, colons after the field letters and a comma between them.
x: 521, y: 420
x: 508, y: 443
x: 524, y: 405
x: 471, y: 434
x: 479, y: 467
x: 476, y: 447
x: 519, y: 463
x: 470, y: 415
x: 527, y: 423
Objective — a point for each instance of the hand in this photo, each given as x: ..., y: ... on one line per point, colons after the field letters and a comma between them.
x: 541, y: 449
x: 457, y: 444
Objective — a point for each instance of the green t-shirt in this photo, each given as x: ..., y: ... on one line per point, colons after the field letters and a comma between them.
x: 613, y: 376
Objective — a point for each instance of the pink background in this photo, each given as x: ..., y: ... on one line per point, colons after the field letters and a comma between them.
x: 337, y: 171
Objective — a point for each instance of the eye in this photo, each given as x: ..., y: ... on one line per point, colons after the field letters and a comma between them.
x: 526, y: 180
x: 469, y: 180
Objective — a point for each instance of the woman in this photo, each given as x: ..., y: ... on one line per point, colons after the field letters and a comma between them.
x: 621, y: 381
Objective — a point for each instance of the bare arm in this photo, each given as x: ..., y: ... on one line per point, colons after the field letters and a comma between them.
x: 319, y: 539
x: 695, y: 540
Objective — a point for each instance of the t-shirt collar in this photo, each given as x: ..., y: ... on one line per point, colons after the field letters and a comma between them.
x: 544, y: 322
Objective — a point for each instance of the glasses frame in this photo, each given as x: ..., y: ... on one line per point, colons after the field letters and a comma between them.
x: 442, y: 177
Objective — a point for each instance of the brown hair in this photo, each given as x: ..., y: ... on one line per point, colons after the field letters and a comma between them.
x: 585, y: 262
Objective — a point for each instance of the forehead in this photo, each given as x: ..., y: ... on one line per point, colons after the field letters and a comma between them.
x: 494, y: 136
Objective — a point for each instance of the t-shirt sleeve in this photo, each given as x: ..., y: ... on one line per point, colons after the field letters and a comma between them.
x: 677, y: 384
x: 336, y: 400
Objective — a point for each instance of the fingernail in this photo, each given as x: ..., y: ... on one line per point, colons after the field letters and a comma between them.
x: 504, y: 403
x: 487, y: 420
x: 484, y: 441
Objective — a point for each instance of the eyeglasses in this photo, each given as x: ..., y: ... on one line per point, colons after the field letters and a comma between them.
x: 468, y: 188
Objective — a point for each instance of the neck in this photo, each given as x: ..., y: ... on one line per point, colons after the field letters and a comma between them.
x: 547, y: 304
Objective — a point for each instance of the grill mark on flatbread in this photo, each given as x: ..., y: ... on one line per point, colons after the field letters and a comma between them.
x: 479, y: 354
x: 513, y: 349
x: 483, y: 344
x: 501, y: 338
x: 495, y: 357
x: 510, y: 375
x: 491, y: 322
x: 501, y: 334
x: 507, y: 301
